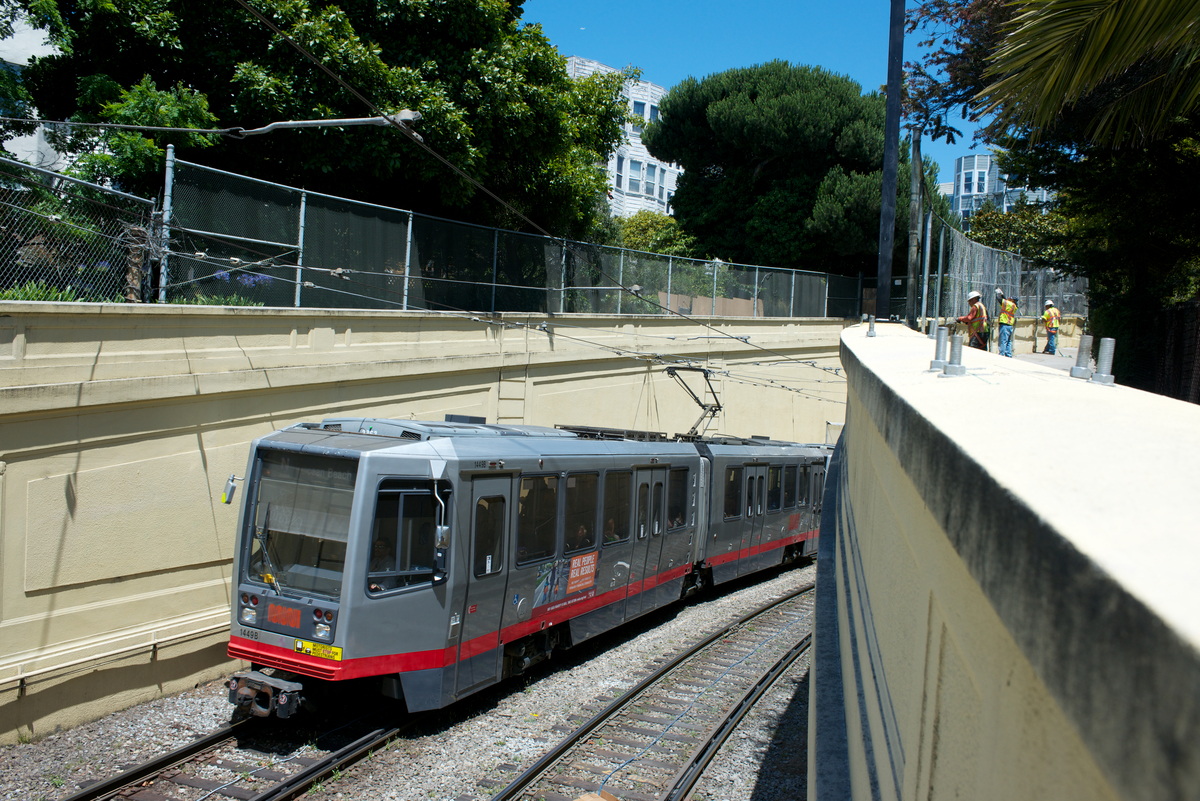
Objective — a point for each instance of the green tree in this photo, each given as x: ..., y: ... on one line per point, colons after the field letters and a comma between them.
x: 494, y: 94
x: 1027, y: 229
x: 782, y: 167
x: 655, y: 232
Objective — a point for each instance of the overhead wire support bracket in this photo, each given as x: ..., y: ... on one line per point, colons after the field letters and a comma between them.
x: 709, y: 410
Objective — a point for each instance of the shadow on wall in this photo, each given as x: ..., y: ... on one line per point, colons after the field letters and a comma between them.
x: 140, y: 678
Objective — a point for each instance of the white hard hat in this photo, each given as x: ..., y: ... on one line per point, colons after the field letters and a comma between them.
x: 973, y: 295
x: 1049, y: 303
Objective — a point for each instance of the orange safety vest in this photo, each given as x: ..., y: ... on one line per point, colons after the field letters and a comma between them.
x: 977, y: 320
x: 1008, y: 312
x: 1051, y: 317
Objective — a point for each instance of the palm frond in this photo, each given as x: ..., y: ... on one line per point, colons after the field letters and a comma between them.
x: 1143, y: 55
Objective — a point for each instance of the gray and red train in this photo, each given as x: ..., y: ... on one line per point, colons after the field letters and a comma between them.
x: 442, y: 557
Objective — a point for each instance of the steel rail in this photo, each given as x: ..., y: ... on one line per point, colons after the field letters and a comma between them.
x: 537, y: 769
x: 108, y: 788
x: 685, y: 780
x: 300, y: 783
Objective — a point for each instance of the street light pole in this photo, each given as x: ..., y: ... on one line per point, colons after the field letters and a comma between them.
x: 891, y: 161
x: 404, y: 118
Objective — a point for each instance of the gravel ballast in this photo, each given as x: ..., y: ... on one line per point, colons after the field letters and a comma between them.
x: 476, y: 746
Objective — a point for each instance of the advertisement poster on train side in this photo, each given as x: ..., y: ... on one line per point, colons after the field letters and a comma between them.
x: 583, y: 572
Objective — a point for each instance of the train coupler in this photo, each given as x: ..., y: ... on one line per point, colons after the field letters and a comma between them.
x: 260, y: 694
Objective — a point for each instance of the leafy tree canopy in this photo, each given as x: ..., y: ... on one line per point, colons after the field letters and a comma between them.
x: 494, y: 95
x: 1027, y: 230
x: 782, y: 167
x: 655, y: 232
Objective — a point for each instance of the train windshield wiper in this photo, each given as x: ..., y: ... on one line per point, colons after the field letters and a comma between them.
x: 261, y: 534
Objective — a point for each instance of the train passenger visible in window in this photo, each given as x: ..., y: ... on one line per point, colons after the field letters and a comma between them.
x: 383, y: 560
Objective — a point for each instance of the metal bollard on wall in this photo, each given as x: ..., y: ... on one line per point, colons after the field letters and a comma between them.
x: 939, y: 349
x: 931, y: 327
x: 1081, y: 369
x: 871, y: 332
x: 955, y: 367
x: 1103, y: 374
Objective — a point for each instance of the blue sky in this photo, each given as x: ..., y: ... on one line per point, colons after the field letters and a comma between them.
x: 672, y: 39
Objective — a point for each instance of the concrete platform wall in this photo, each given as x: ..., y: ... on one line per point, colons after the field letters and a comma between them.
x: 120, y: 424
x: 1007, y: 588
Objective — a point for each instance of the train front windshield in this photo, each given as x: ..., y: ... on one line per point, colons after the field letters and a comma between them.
x: 301, y: 523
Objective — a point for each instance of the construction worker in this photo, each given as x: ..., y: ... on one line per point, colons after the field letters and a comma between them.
x: 1005, y: 320
x: 976, y: 320
x: 1050, y: 319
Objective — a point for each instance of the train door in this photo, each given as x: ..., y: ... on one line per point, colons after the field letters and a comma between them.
x: 812, y: 488
x: 648, y: 526
x: 479, y: 648
x: 752, y: 523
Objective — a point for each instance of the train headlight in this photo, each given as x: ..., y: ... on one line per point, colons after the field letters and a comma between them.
x: 321, y: 630
x: 249, y: 615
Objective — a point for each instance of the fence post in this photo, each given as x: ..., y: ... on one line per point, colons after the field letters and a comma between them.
x: 562, y: 281
x: 670, y: 266
x: 495, y: 255
x: 715, y: 264
x: 300, y: 245
x: 621, y: 280
x: 754, y: 308
x: 925, y: 273
x: 937, y: 299
x: 407, y: 258
x: 169, y: 186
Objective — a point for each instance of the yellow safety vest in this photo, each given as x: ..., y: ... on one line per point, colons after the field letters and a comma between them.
x: 1008, y: 312
x: 1051, y: 317
x: 977, y: 322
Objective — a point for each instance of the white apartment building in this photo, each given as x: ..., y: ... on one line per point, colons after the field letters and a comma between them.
x: 977, y: 180
x: 636, y: 180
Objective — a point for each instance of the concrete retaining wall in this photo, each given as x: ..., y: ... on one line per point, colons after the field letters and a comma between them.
x: 120, y: 424
x: 1007, y: 571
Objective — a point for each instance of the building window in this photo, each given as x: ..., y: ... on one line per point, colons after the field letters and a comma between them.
x: 653, y: 113
x: 635, y: 176
x: 981, y: 182
x: 660, y: 190
x: 639, y: 111
x: 620, y: 170
x: 967, y: 182
x: 650, y: 170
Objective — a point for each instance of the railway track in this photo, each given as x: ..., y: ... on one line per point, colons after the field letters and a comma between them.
x: 240, y: 761
x: 653, y: 743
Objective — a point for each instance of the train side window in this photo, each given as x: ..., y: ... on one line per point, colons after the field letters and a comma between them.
x: 677, y: 496
x: 789, y: 486
x: 618, y: 491
x: 749, y: 496
x: 402, y: 540
x: 804, y: 478
x: 733, y: 492
x: 537, y: 519
x: 762, y: 485
x: 774, y: 488
x: 656, y: 515
x: 489, y: 535
x: 581, y: 511
x: 643, y: 510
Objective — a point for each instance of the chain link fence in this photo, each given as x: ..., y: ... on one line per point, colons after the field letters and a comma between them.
x: 69, y: 240
x: 240, y: 241
x: 969, y: 266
